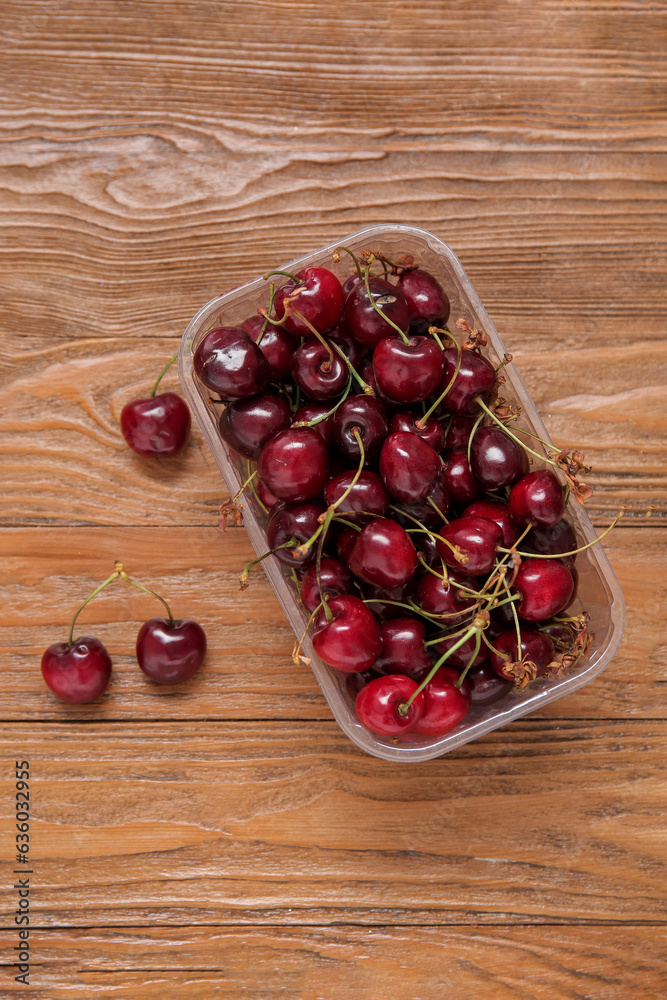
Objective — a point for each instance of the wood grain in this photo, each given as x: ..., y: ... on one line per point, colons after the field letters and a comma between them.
x: 287, y: 823
x: 224, y: 838
x: 249, y: 671
x: 350, y: 963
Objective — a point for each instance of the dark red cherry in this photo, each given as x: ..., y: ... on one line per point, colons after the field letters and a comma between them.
x: 432, y: 430
x: 444, y: 707
x: 157, y: 425
x: 368, y: 495
x: 317, y: 295
x: 365, y: 323
x: 408, y: 373
x: 248, y: 424
x: 476, y: 376
x: 537, y: 497
x: 451, y: 674
x: 439, y: 598
x: 351, y: 283
x: 431, y: 512
x: 560, y: 537
x: 368, y: 375
x: 545, y: 585
x: 425, y: 297
x: 368, y: 415
x: 495, y: 459
x: 425, y: 545
x: 382, y: 553
x: 293, y: 464
x: 458, y: 478
x: 311, y: 411
x: 378, y: 703
x: 535, y: 646
x: 276, y: 344
x: 403, y: 649
x: 265, y: 495
x: 460, y: 657
x: 79, y: 673
x: 498, y: 511
x: 477, y: 538
x: 297, y: 521
x: 345, y: 537
x: 228, y: 362
x: 351, y: 640
x: 409, y: 466
x: 170, y: 653
x: 458, y: 433
x: 319, y: 374
x: 335, y: 578
x: 486, y: 685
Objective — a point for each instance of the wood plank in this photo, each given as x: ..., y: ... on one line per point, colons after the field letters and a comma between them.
x: 249, y: 671
x: 549, y: 75
x: 350, y: 963
x: 284, y: 823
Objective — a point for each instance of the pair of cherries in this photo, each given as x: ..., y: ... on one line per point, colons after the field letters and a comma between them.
x: 305, y: 402
x: 169, y: 651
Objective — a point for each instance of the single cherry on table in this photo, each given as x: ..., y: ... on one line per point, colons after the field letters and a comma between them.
x: 158, y: 425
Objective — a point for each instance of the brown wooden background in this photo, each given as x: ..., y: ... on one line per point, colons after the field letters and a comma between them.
x: 224, y: 839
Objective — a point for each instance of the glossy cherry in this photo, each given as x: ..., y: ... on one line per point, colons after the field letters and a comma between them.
x: 487, y: 686
x: 352, y: 349
x: 79, y: 673
x: 368, y: 495
x: 545, y: 585
x: 476, y: 376
x: 229, y: 362
x: 365, y: 323
x: 498, y: 511
x: 383, y: 553
x: 477, y: 538
x: 276, y: 344
x: 365, y: 414
x: 403, y: 649
x: 248, y: 424
x: 408, y: 372
x: 425, y: 297
x: 444, y: 707
x: 495, y: 459
x: 458, y: 478
x: 317, y: 295
x: 297, y: 521
x: 378, y: 705
x: 409, y: 466
x: 335, y: 578
x: 431, y: 430
x: 537, y: 497
x: 431, y: 512
x: 536, y: 646
x: 351, y: 640
x: 170, y: 652
x: 293, y: 464
x: 319, y: 374
x: 458, y: 433
x: 157, y: 425
x: 312, y: 411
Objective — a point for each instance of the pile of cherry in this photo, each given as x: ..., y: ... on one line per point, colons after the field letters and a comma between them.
x: 436, y: 567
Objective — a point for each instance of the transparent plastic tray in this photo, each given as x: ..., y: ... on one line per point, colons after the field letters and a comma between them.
x: 599, y: 592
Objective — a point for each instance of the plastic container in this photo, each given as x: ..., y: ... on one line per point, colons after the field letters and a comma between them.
x: 599, y: 592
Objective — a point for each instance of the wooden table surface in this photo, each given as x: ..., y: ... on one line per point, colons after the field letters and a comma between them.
x: 224, y: 838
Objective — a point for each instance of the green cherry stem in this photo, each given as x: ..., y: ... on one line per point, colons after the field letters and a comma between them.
x: 133, y: 583
x: 468, y: 634
x: 286, y: 274
x: 272, y: 292
x: 114, y: 576
x: 163, y: 373
x: 336, y: 258
x: 367, y: 271
x: 329, y: 413
x: 573, y: 552
x: 422, y: 420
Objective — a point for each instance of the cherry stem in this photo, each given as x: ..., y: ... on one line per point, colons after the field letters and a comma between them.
x: 519, y: 651
x: 133, y: 583
x: 468, y: 634
x: 246, y: 483
x: 367, y: 271
x: 367, y: 389
x: 315, y: 333
x: 355, y: 479
x: 462, y: 677
x: 163, y: 373
x: 421, y: 423
x: 336, y: 258
x: 244, y: 575
x: 114, y: 576
x: 286, y: 274
x: 473, y: 432
x: 329, y: 413
x: 573, y: 552
x: 272, y: 292
x: 522, y: 444
x: 297, y: 648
